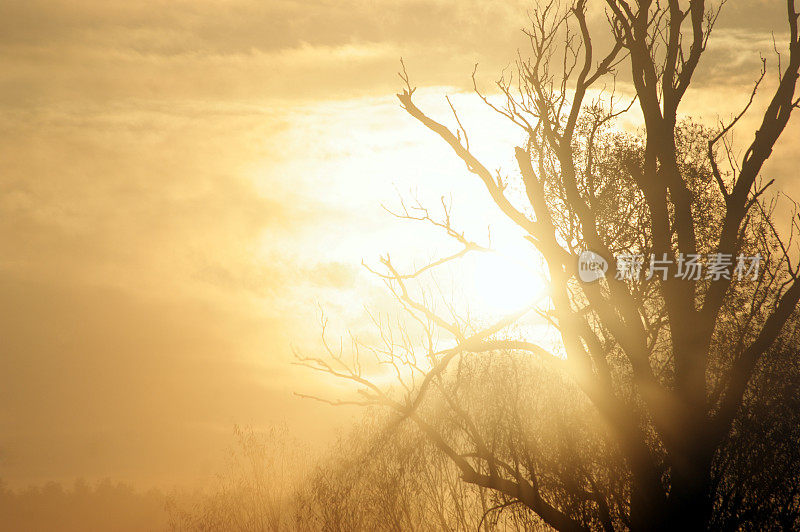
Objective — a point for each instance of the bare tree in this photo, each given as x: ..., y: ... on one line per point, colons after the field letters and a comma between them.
x: 386, y: 476
x: 665, y: 362
x: 257, y: 491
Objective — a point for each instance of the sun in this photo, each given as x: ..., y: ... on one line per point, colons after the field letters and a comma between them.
x: 504, y: 283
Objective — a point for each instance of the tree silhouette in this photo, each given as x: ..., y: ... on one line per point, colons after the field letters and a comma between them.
x: 652, y: 420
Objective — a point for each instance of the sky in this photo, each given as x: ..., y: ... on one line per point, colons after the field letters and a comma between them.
x: 184, y: 184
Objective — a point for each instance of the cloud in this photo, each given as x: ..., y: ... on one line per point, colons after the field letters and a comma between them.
x: 137, y: 306
x: 238, y: 26
x: 243, y: 48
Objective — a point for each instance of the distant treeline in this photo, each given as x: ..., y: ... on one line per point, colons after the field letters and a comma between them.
x: 82, y: 507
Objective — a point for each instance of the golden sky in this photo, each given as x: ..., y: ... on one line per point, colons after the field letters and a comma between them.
x: 181, y: 182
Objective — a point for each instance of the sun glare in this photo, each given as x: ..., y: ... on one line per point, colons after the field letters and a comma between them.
x: 504, y: 283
